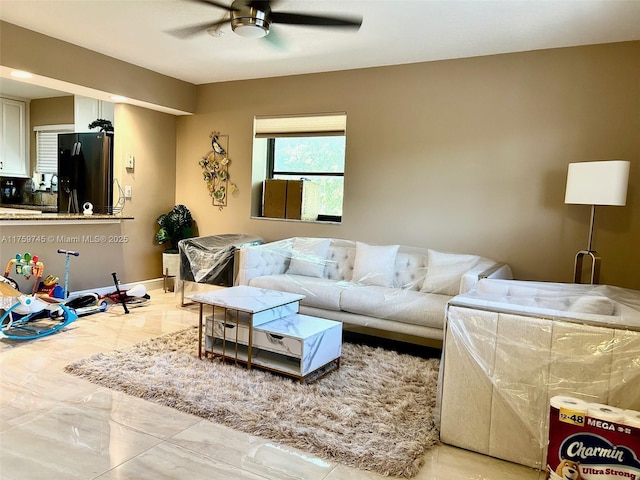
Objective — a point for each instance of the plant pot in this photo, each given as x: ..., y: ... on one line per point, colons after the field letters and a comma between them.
x: 170, y: 264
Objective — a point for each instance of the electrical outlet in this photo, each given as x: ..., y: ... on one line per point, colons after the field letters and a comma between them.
x: 127, y: 191
x: 130, y: 161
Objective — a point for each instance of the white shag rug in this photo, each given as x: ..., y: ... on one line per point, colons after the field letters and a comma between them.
x: 374, y: 413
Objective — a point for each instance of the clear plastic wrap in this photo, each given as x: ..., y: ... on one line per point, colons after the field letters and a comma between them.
x: 510, y: 346
x: 598, y: 304
x: 386, y: 288
x: 210, y: 259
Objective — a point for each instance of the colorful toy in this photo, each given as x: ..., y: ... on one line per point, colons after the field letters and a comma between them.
x: 25, y: 319
x: 49, y: 287
x: 34, y: 316
x: 26, y: 265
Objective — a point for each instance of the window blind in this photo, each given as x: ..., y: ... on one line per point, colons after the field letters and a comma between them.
x: 301, y: 125
x: 47, y: 146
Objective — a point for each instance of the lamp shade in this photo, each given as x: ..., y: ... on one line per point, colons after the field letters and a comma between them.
x: 598, y: 183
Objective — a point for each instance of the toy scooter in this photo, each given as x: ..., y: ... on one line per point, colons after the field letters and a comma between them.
x: 92, y: 302
x: 84, y: 304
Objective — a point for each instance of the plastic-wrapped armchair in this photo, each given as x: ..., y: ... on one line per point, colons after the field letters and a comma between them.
x: 211, y: 259
x: 511, y: 345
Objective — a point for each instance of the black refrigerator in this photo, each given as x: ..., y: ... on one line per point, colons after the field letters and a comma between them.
x: 85, y: 172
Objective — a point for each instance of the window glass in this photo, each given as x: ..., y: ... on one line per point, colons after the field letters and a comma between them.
x: 318, y: 159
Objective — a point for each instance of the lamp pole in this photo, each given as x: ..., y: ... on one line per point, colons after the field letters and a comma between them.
x: 593, y: 217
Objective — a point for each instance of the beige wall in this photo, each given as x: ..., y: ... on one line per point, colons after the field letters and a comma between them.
x: 48, y: 111
x: 150, y: 137
x: 54, y: 59
x: 465, y: 155
x: 52, y: 111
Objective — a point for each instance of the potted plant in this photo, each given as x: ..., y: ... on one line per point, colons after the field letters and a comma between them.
x: 175, y: 225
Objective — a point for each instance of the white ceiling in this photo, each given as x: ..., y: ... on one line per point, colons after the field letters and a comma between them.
x: 15, y: 88
x: 392, y: 32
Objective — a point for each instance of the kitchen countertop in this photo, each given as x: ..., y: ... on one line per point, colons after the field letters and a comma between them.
x: 32, y: 218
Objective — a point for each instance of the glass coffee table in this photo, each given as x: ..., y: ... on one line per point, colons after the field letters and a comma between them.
x: 262, y: 328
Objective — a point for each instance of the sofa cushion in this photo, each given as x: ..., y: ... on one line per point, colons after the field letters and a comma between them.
x: 318, y: 292
x: 445, y: 270
x: 374, y: 265
x: 308, y: 256
x: 400, y: 305
x: 340, y: 263
x: 410, y: 270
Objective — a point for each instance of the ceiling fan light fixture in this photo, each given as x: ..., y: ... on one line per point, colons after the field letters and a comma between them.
x: 250, y: 23
x: 251, y: 30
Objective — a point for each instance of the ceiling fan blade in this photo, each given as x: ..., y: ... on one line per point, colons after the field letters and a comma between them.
x: 185, y: 32
x: 324, y: 21
x: 213, y: 3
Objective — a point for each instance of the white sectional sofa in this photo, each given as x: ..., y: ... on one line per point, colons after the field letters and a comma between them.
x: 393, y: 291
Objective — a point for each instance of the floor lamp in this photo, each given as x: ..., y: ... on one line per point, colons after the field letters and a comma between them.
x: 595, y: 183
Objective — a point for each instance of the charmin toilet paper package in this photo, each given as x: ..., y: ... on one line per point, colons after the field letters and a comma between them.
x: 590, y: 441
x: 631, y: 417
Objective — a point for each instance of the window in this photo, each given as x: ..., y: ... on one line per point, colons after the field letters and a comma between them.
x: 310, y: 148
x: 318, y: 159
x: 47, y: 146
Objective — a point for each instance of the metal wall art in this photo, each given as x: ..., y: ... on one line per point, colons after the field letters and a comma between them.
x: 215, y: 170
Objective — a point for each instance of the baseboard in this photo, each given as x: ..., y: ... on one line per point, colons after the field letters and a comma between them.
x: 152, y: 284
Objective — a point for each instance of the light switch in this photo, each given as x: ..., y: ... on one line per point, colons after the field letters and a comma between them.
x: 130, y: 161
x: 127, y: 191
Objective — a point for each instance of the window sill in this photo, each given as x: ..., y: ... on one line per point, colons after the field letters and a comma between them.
x: 323, y: 222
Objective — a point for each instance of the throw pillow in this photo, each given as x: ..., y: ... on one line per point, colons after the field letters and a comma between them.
x: 375, y: 265
x: 308, y: 256
x: 445, y: 270
x: 594, y: 305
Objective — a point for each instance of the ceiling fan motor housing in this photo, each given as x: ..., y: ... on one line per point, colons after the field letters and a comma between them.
x: 250, y: 22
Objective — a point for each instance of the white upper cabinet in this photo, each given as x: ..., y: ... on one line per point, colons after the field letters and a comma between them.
x: 87, y: 110
x: 13, y: 138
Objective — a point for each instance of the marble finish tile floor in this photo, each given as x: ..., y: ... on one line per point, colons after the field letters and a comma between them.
x: 54, y: 426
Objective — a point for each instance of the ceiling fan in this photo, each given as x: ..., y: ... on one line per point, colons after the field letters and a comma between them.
x: 253, y: 19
